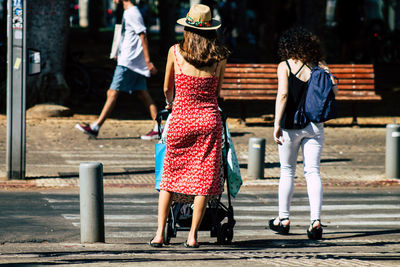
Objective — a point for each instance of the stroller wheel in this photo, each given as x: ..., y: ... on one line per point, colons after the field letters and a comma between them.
x: 225, y: 235
x: 169, y: 232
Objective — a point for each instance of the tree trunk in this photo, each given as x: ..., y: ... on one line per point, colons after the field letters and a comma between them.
x: 167, y: 24
x: 47, y: 31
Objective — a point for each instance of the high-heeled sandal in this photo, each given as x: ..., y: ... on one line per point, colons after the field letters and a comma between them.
x: 280, y: 228
x: 315, y: 233
x: 154, y: 244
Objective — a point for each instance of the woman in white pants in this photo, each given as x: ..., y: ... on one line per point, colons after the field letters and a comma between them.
x: 300, y: 51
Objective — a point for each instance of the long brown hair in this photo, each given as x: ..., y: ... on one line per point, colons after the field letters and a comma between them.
x: 202, y: 48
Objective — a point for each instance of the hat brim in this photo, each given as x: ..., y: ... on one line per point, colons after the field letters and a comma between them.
x: 215, y: 24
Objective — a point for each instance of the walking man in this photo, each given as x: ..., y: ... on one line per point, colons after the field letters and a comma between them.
x: 133, y: 66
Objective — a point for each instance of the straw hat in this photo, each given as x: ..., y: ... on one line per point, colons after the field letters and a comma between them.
x: 199, y: 17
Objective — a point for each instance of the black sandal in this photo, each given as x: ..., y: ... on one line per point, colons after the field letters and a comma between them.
x: 155, y: 245
x: 280, y: 228
x: 186, y: 245
x: 315, y: 233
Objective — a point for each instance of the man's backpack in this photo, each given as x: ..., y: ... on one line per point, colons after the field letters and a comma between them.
x: 320, y: 103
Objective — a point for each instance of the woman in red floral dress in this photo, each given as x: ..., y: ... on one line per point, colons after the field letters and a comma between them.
x: 193, y: 157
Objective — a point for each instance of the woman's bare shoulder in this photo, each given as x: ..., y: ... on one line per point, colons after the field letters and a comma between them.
x: 282, y: 66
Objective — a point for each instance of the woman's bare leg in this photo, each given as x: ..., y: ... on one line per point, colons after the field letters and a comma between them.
x: 200, y: 204
x: 164, y: 205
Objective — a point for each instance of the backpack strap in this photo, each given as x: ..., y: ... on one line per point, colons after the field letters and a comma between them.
x: 177, y: 58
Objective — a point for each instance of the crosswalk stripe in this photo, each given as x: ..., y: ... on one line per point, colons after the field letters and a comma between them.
x: 329, y: 217
x: 378, y: 214
x: 324, y: 207
x: 249, y: 201
x: 256, y: 223
x: 106, y: 200
x: 109, y: 155
x: 124, y: 224
x: 246, y: 217
x: 330, y: 199
x: 132, y: 162
x: 114, y: 217
x: 249, y: 208
x: 149, y: 234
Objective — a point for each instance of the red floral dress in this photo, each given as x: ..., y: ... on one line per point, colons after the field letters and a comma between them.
x: 193, y: 157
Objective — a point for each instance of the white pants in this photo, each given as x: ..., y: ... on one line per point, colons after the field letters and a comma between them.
x: 311, y: 139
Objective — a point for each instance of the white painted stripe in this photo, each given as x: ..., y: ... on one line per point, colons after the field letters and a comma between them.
x: 205, y: 234
x: 366, y: 223
x: 106, y: 200
x: 75, y: 164
x: 324, y: 207
x: 93, y: 152
x: 254, y: 208
x: 245, y: 218
x: 109, y: 155
x: 124, y: 224
x: 306, y: 221
x: 183, y: 234
x: 235, y: 201
x: 115, y: 217
x: 370, y: 215
x: 133, y: 162
x: 327, y: 199
x: 109, y: 207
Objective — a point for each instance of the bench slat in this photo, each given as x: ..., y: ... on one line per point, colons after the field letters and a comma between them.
x: 233, y: 86
x: 351, y: 70
x: 249, y: 81
x: 273, y: 75
x: 275, y: 81
x: 274, y: 92
x: 250, y: 75
x: 251, y: 70
x: 272, y: 98
x: 354, y: 75
x: 240, y: 65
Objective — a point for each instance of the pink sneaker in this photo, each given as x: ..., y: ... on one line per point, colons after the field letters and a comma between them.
x: 152, y: 135
x: 85, y: 128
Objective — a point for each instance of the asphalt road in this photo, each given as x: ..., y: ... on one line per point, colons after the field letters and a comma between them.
x: 43, y: 227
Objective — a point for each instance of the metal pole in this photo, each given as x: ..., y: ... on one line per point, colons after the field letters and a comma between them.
x: 16, y: 77
x: 91, y: 202
x: 392, y: 158
x: 255, y: 165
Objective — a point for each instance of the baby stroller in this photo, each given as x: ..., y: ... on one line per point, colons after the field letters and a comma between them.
x: 180, y: 216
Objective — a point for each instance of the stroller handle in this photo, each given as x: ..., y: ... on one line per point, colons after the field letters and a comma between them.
x: 159, y: 118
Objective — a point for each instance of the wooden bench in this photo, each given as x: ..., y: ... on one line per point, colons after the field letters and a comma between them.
x: 259, y: 82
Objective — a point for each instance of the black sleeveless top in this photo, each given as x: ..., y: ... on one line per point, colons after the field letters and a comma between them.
x: 296, y: 90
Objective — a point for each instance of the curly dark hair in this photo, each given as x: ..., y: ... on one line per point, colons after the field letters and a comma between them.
x: 202, y: 48
x: 299, y: 43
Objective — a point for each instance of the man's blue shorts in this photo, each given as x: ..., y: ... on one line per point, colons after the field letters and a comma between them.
x: 126, y: 80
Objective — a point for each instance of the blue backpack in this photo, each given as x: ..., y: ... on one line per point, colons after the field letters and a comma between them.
x: 320, y: 103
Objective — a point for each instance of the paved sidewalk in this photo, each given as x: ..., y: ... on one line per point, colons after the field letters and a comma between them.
x: 352, y: 156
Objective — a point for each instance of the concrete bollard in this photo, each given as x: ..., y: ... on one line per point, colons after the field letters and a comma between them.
x: 91, y: 199
x: 255, y: 165
x: 392, y: 159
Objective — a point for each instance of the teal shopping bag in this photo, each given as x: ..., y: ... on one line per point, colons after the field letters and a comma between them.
x: 159, y: 151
